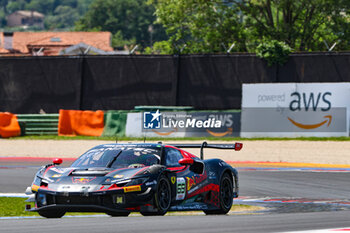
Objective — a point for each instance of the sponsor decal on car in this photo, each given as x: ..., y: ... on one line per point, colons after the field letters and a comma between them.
x: 197, y: 187
x: 195, y: 180
x: 196, y: 206
x: 82, y: 180
x: 190, y: 183
x: 118, y: 176
x: 180, y: 188
x: 119, y: 199
x: 173, y: 179
x: 212, y: 175
x: 56, y: 175
x: 134, y: 188
x: 35, y: 187
x: 151, y: 183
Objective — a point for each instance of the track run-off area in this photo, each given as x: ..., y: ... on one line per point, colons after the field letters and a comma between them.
x: 294, y: 198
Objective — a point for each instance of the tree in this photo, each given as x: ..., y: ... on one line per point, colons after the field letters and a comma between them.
x: 83, y: 6
x: 211, y: 26
x: 201, y: 26
x: 13, y: 6
x: 304, y: 25
x: 64, y: 17
x: 129, y: 18
x: 159, y: 47
x: 44, y: 7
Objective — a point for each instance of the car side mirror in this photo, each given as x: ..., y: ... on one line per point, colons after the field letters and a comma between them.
x: 57, y: 161
x: 186, y: 161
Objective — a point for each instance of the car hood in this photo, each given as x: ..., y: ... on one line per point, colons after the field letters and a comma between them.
x: 92, y: 177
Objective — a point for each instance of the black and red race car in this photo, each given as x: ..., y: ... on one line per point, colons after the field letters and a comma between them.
x: 148, y: 178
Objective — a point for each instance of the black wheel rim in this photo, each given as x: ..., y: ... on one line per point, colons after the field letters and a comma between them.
x: 164, y: 195
x: 226, y: 193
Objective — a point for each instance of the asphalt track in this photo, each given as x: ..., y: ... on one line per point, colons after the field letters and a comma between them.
x: 176, y: 224
x: 282, y: 185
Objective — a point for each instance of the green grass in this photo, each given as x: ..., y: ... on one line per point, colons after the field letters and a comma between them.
x: 14, y: 206
x: 54, y: 137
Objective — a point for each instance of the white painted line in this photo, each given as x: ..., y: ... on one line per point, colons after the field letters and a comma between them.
x: 67, y: 216
x: 13, y: 195
x: 322, y: 230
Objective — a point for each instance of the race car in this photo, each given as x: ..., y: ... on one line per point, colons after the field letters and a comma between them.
x: 150, y: 178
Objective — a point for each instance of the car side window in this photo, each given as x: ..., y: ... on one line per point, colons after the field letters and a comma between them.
x: 172, y: 157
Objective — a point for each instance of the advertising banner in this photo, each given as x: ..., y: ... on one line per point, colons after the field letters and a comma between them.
x: 295, y: 110
x: 183, y: 124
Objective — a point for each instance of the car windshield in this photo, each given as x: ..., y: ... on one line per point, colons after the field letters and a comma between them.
x: 119, y: 157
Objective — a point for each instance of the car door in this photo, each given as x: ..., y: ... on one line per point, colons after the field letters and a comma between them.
x: 187, y: 181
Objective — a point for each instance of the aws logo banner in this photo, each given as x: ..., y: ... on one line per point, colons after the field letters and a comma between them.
x: 283, y: 120
x: 295, y: 109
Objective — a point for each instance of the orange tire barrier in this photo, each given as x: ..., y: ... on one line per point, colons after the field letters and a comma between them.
x: 75, y: 122
x: 9, y: 126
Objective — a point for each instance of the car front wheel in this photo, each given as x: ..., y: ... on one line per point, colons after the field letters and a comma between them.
x: 162, y: 198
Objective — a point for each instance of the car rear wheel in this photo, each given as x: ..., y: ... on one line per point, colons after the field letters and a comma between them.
x: 225, y: 196
x: 162, y: 198
x: 51, y: 213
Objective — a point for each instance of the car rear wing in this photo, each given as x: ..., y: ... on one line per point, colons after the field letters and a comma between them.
x: 237, y: 146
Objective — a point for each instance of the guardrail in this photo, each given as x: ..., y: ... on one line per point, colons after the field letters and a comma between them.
x: 38, y: 124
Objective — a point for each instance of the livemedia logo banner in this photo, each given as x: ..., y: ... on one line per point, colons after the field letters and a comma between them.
x: 193, y: 124
x: 179, y: 120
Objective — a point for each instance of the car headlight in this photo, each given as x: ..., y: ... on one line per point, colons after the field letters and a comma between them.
x: 137, y: 181
x: 127, y: 182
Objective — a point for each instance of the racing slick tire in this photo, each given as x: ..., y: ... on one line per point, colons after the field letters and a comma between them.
x: 51, y: 213
x: 162, y: 198
x: 225, y: 196
x: 121, y: 214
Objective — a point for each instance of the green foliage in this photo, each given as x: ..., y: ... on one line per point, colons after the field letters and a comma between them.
x: 13, y: 6
x: 131, y: 19
x: 159, y: 47
x: 209, y: 26
x: 274, y: 52
x: 119, y: 41
x: 64, y: 17
x: 304, y: 25
x: 200, y: 26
